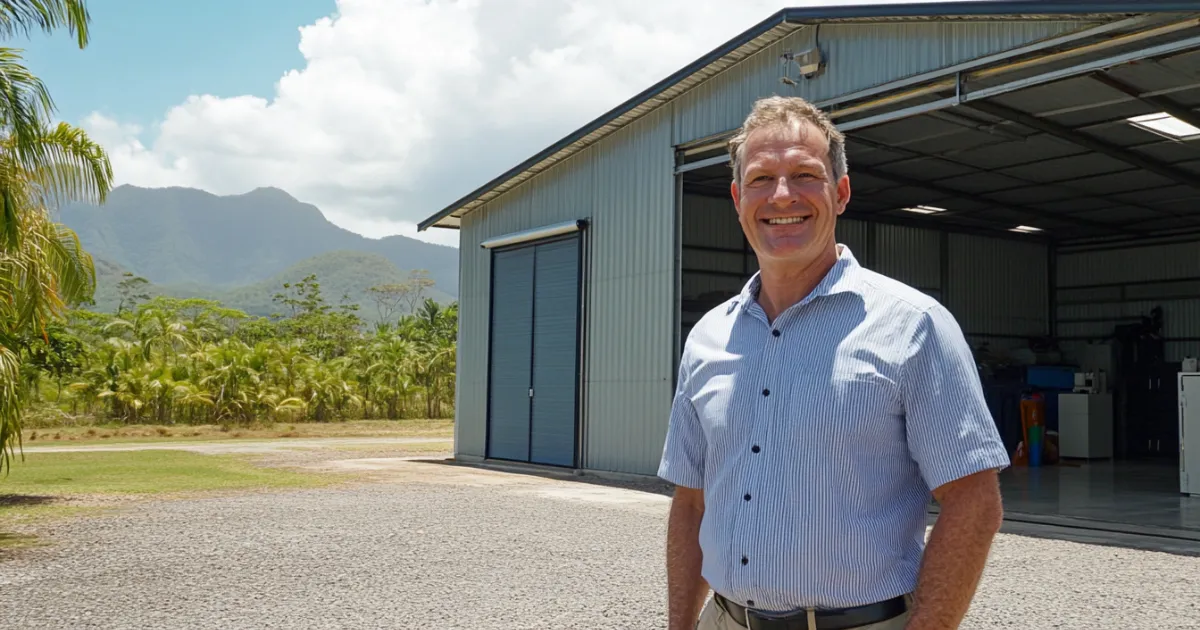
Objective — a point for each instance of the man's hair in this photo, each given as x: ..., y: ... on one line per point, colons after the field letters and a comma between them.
x: 776, y: 110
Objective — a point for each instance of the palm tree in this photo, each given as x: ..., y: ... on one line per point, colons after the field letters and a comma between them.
x: 43, y: 268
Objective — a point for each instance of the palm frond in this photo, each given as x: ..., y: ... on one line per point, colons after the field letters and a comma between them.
x: 22, y: 16
x: 24, y: 102
x: 67, y: 166
x: 10, y: 405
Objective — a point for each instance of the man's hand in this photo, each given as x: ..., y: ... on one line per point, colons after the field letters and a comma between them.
x: 971, y: 514
x: 686, y: 589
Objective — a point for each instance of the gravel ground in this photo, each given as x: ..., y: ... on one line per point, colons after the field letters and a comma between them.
x: 433, y: 546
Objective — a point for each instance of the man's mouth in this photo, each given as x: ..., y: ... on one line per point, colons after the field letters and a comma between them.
x: 786, y: 220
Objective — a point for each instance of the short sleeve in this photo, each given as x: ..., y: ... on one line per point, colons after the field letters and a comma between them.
x: 950, y: 431
x: 683, y: 453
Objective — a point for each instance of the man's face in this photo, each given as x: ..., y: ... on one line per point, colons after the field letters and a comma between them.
x: 788, y: 201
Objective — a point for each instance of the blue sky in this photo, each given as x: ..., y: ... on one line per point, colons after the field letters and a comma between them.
x: 148, y: 55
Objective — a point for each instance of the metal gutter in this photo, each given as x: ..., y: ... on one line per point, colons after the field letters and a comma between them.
x: 792, y: 19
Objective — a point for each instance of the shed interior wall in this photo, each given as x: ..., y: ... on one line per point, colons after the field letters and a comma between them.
x: 1100, y: 289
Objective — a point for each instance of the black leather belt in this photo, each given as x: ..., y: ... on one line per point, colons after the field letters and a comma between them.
x: 817, y: 619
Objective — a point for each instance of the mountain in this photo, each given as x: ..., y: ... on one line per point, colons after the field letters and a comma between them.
x: 339, y: 273
x: 183, y: 237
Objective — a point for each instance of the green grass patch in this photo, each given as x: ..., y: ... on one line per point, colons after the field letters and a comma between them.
x: 142, y: 473
x: 46, y: 486
x: 137, y: 433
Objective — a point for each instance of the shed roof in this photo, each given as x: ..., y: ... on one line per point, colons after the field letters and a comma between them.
x: 764, y: 34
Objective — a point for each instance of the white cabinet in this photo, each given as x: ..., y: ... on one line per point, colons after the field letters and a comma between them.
x: 1189, y: 433
x: 1085, y: 425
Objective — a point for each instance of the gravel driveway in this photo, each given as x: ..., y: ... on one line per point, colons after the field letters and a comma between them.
x: 427, y: 545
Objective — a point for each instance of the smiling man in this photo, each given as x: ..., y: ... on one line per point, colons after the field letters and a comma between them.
x: 816, y: 413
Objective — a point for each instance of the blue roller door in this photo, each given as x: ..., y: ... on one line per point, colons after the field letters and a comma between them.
x: 555, y: 313
x: 534, y: 354
x: 512, y: 336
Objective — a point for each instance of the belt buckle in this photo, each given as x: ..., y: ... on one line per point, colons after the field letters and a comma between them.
x: 755, y: 621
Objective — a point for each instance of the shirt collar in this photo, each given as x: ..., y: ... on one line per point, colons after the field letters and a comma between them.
x: 841, y: 278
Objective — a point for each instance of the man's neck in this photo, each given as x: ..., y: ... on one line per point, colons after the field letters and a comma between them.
x: 782, y: 286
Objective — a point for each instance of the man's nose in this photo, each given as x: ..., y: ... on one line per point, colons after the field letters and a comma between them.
x: 783, y: 190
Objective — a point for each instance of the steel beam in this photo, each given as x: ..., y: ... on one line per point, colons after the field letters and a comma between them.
x: 1080, y: 193
x: 966, y: 196
x: 1085, y: 141
x: 1158, y: 102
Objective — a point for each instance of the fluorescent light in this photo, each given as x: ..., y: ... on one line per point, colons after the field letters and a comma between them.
x: 924, y: 209
x: 1025, y: 229
x: 1167, y: 125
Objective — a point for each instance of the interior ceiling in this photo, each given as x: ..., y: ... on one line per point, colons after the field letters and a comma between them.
x: 1060, y: 156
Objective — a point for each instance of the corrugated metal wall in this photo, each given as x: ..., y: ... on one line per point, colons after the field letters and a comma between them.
x: 625, y: 185
x: 999, y: 288
x: 1098, y: 290
x: 859, y: 56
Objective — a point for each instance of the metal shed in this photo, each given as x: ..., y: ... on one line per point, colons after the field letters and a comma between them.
x: 1032, y: 164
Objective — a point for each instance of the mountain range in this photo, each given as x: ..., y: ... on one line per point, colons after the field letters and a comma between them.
x: 240, y: 249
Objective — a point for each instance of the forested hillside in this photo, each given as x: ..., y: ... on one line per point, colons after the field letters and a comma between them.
x: 183, y: 236
x: 342, y: 274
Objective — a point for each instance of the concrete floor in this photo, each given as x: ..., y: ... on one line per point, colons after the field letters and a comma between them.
x: 1139, y: 497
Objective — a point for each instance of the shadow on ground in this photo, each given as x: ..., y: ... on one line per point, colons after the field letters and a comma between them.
x: 25, y: 500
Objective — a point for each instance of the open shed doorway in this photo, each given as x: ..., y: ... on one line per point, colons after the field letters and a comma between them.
x: 1087, y: 170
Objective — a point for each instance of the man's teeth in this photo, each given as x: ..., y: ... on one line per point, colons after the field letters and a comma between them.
x: 787, y: 220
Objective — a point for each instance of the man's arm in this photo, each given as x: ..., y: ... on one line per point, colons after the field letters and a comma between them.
x: 686, y: 588
x: 971, y: 514
x: 954, y: 440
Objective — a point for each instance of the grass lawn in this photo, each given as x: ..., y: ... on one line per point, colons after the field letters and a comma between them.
x: 47, y: 485
x: 109, y: 434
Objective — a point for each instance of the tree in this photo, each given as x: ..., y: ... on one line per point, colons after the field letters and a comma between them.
x: 43, y: 268
x: 132, y: 290
x: 418, y: 282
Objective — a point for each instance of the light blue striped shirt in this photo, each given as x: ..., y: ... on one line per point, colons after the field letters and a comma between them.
x: 817, y: 439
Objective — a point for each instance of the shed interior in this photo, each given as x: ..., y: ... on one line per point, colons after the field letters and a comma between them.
x: 1056, y: 212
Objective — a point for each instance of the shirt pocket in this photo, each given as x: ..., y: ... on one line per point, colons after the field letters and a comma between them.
x: 859, y: 407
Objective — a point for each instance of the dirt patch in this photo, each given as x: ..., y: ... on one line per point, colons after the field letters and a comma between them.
x: 564, y: 486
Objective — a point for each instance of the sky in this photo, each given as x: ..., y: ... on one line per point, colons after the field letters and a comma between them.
x: 379, y: 112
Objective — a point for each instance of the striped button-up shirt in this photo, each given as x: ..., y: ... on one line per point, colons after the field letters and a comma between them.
x: 817, y: 438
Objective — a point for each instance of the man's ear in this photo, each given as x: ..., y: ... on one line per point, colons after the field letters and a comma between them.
x: 843, y: 193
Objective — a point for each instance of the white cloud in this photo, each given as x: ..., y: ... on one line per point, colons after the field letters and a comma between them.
x: 403, y: 106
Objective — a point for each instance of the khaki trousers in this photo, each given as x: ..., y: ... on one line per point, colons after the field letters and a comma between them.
x: 714, y: 618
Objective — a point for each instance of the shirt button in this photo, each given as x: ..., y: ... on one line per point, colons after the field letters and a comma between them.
x: 745, y: 560
x: 775, y: 333
x: 747, y: 497
x: 766, y: 392
x: 755, y: 448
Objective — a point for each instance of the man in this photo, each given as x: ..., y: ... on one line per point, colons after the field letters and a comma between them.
x: 816, y: 412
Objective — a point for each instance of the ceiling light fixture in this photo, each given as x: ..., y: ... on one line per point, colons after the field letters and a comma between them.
x: 1025, y: 229
x: 1166, y: 125
x: 924, y: 209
